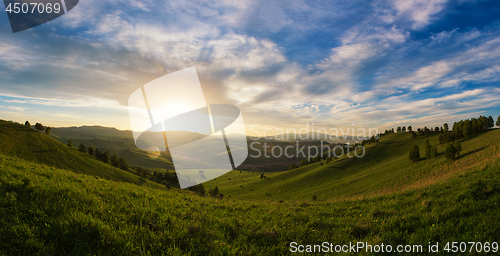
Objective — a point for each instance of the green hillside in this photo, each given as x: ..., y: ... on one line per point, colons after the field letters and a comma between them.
x: 49, y: 211
x: 25, y: 143
x: 47, y: 208
x: 385, y: 168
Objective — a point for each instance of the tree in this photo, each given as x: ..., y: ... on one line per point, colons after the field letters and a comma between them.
x: 122, y: 162
x: 114, y: 160
x: 441, y: 139
x: 445, y: 125
x: 398, y: 129
x: 70, y: 143
x: 82, y: 148
x: 105, y: 156
x: 27, y: 124
x: 48, y: 130
x: 409, y: 129
x: 39, y: 127
x: 451, y: 152
x: 491, y: 123
x: 414, y: 153
x: 436, y: 129
x: 403, y: 129
x: 198, y: 189
x: 428, y: 149
x: 434, y: 152
x: 91, y: 150
x: 498, y: 121
x: 214, y: 192
x: 97, y: 153
x: 413, y: 135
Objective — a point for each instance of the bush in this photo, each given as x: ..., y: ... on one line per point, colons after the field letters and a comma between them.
x: 70, y: 143
x: 48, y: 130
x: 414, y: 153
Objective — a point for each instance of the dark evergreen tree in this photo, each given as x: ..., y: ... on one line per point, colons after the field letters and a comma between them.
x: 414, y: 153
x: 82, y: 148
x: 91, y: 150
x: 428, y: 149
x: 114, y: 160
x: 451, y: 152
x: 123, y: 164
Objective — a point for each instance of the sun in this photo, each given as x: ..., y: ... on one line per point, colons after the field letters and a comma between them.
x: 173, y: 108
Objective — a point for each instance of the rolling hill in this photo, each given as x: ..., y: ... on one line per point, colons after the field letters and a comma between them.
x: 385, y: 168
x: 25, y: 143
x: 51, y: 208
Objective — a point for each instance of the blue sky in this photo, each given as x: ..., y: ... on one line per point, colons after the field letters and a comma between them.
x: 285, y: 64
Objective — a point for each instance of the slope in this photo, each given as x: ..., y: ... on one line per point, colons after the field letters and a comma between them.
x: 385, y: 168
x: 25, y: 143
x: 49, y: 211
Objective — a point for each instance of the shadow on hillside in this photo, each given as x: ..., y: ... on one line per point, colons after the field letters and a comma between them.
x: 471, y: 152
x: 473, y: 136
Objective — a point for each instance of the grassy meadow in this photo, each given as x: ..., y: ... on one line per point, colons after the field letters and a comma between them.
x: 62, y: 202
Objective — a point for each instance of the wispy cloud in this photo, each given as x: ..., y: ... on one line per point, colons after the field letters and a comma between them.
x: 377, y: 63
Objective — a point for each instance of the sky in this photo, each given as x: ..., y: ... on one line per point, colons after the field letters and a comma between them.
x: 285, y: 64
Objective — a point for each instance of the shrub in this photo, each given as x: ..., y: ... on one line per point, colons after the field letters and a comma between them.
x: 70, y: 143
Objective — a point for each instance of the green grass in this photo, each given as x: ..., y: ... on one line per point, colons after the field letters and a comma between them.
x: 25, y: 143
x: 385, y: 168
x: 46, y: 210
